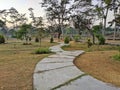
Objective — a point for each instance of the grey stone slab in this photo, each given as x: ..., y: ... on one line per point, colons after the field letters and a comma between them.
x: 71, y: 53
x: 57, y: 69
x: 61, y: 56
x: 56, y: 59
x: 88, y: 83
x: 46, y: 66
x: 56, y: 48
x: 51, y: 79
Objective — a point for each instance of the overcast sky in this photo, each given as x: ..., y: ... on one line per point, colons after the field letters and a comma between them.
x: 23, y: 5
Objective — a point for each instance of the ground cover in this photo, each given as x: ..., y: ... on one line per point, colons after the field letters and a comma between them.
x: 17, y: 64
x: 98, y: 61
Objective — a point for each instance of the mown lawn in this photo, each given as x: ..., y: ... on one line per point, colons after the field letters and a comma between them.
x: 17, y: 63
x: 98, y: 61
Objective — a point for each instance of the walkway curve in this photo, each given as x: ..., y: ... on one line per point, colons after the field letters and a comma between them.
x: 57, y: 72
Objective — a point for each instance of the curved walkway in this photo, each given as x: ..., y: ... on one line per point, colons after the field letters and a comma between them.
x: 57, y: 72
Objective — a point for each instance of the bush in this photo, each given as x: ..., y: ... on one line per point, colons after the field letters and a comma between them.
x: 27, y: 43
x: 51, y: 40
x: 2, y: 39
x: 36, y: 39
x: 89, y: 43
x: 66, y: 40
x: 76, y: 38
x: 101, y: 39
x: 42, y: 51
x: 117, y: 57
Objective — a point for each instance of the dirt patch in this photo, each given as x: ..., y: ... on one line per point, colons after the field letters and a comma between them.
x: 100, y: 65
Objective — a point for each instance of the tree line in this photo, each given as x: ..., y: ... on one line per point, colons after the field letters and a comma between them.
x: 60, y: 13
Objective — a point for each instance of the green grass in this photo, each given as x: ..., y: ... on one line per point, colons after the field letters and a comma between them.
x: 116, y: 57
x: 42, y: 51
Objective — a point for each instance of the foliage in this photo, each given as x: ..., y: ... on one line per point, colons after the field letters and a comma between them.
x: 76, y: 38
x: 27, y: 44
x: 89, y: 43
x: 98, y: 34
x: 23, y: 33
x: 42, y: 51
x: 51, y: 40
x: 101, y: 39
x: 36, y: 39
x: 67, y: 40
x: 57, y: 11
x: 117, y: 57
x: 2, y: 39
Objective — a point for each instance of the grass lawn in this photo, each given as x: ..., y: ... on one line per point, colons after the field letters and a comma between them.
x: 17, y: 65
x: 98, y: 62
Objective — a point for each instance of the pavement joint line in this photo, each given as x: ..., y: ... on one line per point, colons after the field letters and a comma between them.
x: 55, y: 62
x: 68, y: 82
x: 64, y: 57
x: 53, y: 69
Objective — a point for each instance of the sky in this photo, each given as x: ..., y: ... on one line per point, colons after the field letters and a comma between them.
x: 23, y: 5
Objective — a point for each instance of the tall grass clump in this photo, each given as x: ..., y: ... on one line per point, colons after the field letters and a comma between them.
x: 42, y: 51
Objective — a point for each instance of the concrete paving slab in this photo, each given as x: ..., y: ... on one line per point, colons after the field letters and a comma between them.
x: 50, y: 79
x: 88, y: 83
x: 72, y: 53
x: 57, y: 69
x: 50, y: 66
x: 56, y: 59
x: 61, y: 56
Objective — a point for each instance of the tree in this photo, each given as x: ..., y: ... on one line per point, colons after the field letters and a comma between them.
x: 37, y: 23
x: 23, y: 33
x: 83, y: 16
x: 102, y: 10
x: 57, y: 10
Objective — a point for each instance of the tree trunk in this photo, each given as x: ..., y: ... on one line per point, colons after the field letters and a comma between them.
x: 105, y: 20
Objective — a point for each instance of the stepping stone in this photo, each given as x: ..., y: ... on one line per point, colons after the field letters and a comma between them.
x: 56, y: 70
x: 61, y: 56
x: 71, y: 53
x: 56, y: 59
x: 88, y: 83
x: 53, y: 78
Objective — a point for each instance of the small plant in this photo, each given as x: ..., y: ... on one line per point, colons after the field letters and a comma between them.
x: 116, y: 57
x: 76, y: 38
x: 36, y: 39
x: 2, y: 39
x: 51, y: 40
x: 89, y: 43
x: 66, y: 40
x: 101, y: 39
x: 42, y: 51
x: 27, y: 43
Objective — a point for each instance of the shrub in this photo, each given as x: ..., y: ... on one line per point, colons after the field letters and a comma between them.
x: 51, y: 40
x: 42, y: 51
x: 66, y: 40
x: 101, y: 39
x: 2, y: 39
x: 27, y: 43
x: 89, y: 43
x: 76, y: 38
x: 36, y: 39
x: 117, y: 57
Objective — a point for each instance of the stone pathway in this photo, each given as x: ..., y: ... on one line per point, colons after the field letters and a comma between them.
x: 57, y: 72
